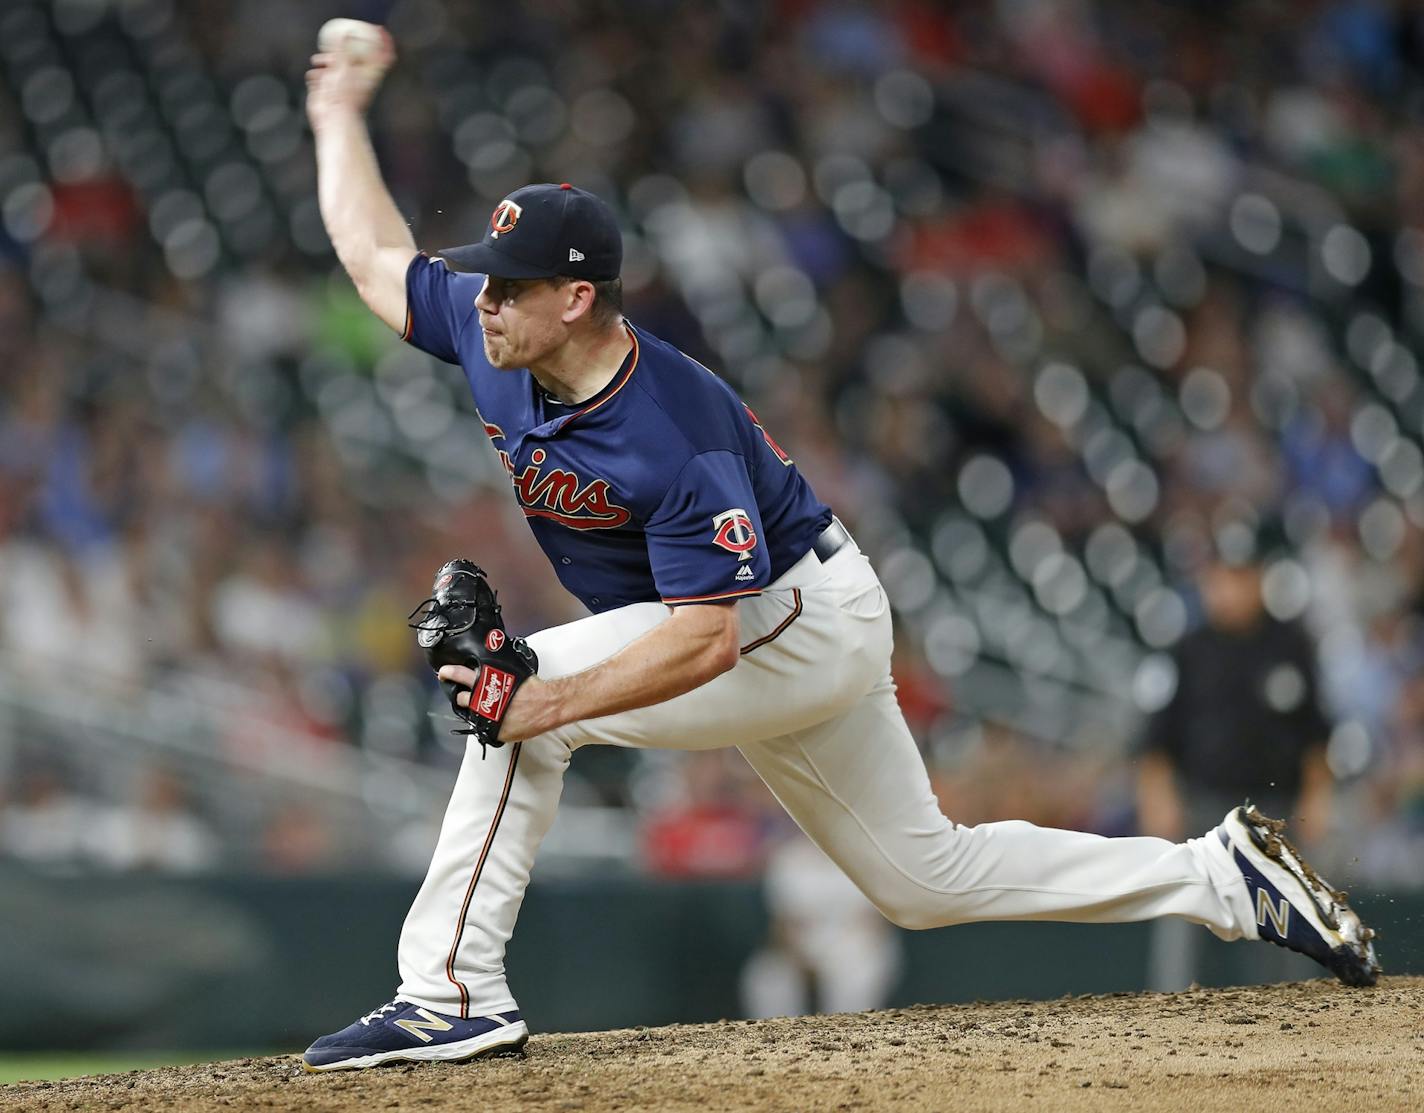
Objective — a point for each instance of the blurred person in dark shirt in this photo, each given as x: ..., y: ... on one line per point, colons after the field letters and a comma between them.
x: 1244, y: 722
x: 1245, y: 718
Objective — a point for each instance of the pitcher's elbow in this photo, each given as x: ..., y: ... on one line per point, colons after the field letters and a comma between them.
x: 728, y: 654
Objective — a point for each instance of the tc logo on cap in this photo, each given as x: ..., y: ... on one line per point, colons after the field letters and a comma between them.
x: 505, y: 216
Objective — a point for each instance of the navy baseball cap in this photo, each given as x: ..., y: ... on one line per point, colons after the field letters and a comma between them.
x: 545, y: 230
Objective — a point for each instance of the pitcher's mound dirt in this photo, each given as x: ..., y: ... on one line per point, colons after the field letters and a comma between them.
x: 1313, y: 1045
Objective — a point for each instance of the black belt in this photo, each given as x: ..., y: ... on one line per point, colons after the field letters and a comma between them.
x: 832, y: 540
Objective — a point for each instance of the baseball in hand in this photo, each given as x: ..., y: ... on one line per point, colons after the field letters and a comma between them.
x: 365, y: 44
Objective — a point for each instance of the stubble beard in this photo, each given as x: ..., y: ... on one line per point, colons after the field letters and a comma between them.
x: 498, y: 353
x: 503, y: 355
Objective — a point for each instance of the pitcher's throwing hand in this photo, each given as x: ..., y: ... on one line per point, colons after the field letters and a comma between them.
x: 352, y: 57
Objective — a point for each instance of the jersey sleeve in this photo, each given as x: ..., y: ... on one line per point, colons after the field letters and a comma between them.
x: 705, y: 537
x: 438, y: 306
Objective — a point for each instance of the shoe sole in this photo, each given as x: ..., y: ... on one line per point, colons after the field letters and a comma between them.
x: 476, y: 1047
x: 1357, y: 965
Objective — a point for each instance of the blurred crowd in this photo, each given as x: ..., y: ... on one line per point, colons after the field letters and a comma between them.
x: 1034, y: 291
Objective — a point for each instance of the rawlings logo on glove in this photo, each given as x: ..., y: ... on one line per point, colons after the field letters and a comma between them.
x: 460, y: 625
x: 492, y: 695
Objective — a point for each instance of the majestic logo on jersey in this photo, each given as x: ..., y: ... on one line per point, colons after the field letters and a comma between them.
x: 735, y: 533
x: 505, y: 216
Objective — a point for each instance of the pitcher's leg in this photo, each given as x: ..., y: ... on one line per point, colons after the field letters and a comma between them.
x: 452, y: 945
x: 858, y: 787
x: 451, y: 952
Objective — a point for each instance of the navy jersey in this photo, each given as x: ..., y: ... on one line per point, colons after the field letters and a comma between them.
x: 661, y: 486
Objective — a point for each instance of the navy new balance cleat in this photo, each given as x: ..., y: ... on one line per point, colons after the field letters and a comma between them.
x: 1295, y: 907
x: 404, y: 1032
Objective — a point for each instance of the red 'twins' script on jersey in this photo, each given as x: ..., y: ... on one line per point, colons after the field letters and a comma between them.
x: 559, y: 494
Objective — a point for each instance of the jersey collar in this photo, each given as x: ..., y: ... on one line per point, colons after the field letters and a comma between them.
x: 604, y: 396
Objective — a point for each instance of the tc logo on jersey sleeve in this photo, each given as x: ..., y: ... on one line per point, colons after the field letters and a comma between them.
x: 735, y: 533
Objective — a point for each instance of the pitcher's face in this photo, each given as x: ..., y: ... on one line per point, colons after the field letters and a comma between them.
x: 522, y: 320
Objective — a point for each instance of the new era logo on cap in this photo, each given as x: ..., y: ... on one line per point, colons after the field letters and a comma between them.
x: 529, y: 232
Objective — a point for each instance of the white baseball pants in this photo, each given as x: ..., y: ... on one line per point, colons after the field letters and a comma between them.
x: 812, y: 707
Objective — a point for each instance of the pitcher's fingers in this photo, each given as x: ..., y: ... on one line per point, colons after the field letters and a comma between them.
x: 459, y: 674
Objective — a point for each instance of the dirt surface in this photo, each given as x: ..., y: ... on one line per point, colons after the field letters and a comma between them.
x: 1203, y: 1050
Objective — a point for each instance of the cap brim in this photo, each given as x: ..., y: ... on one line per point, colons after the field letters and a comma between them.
x: 480, y: 258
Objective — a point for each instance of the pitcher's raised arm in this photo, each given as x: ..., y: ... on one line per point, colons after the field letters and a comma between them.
x: 370, y: 236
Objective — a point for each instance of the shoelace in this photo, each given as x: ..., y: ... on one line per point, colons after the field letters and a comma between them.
x: 375, y: 1013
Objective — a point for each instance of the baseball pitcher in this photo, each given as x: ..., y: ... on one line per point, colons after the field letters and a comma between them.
x: 728, y: 607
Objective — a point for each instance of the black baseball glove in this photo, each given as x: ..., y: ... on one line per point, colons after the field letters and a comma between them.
x: 460, y: 625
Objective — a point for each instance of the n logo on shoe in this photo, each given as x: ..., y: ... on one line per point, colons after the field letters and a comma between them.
x: 421, y: 1029
x: 1278, y: 915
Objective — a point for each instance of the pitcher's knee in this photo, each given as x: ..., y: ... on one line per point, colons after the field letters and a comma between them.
x: 912, y: 909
